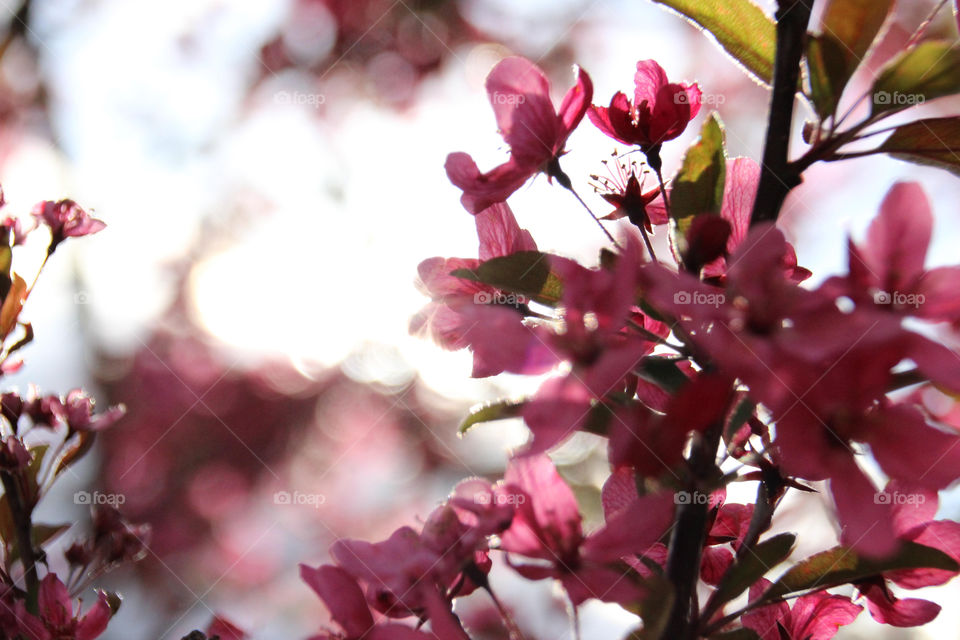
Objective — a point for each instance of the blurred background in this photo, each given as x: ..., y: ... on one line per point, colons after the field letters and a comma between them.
x: 271, y: 173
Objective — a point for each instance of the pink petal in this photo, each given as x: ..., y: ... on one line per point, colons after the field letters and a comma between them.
x: 649, y: 79
x: 575, y: 102
x: 714, y: 564
x: 520, y: 95
x: 939, y: 534
x: 865, y: 522
x: 480, y: 190
x: 940, y: 289
x: 499, y: 233
x: 898, y: 237
x: 619, y: 491
x: 617, y: 120
x: 694, y: 98
x: 55, y: 606
x: 885, y: 608
x: 94, y: 622
x: 343, y: 597
x: 633, y: 530
x: 552, y: 506
x: 669, y: 113
x: 909, y: 449
x: 818, y: 616
x: 764, y: 620
x: 436, y: 281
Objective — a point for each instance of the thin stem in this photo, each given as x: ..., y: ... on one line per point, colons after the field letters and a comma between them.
x: 778, y: 177
x: 512, y: 628
x: 554, y: 171
x: 23, y: 524
x: 646, y: 241
x: 592, y: 215
x: 922, y: 29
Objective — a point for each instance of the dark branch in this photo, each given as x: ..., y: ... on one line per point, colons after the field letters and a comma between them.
x: 778, y: 176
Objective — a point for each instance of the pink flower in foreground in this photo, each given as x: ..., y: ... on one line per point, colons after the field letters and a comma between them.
x: 815, y: 616
x: 660, y: 110
x: 66, y: 219
x: 56, y: 620
x: 465, y: 314
x: 348, y: 608
x: 546, y: 527
x: 914, y: 509
x: 887, y: 271
x: 537, y: 133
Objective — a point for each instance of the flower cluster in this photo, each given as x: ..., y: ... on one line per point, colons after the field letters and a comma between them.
x: 713, y: 364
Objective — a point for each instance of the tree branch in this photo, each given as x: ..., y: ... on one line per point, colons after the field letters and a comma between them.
x: 778, y: 177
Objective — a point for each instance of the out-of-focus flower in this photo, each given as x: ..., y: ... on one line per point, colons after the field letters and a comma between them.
x: 815, y: 616
x: 66, y: 219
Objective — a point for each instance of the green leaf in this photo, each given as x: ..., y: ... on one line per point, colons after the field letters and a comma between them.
x: 44, y: 533
x: 929, y: 70
x: 847, y: 30
x: 739, y: 26
x: 500, y: 410
x: 526, y: 273
x: 826, y: 62
x: 933, y: 142
x: 698, y: 186
x: 854, y: 24
x: 841, y: 565
x: 662, y: 372
x: 753, y: 565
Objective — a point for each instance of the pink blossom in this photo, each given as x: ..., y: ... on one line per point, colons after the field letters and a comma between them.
x: 815, y: 616
x: 547, y: 527
x: 348, y: 608
x: 601, y: 350
x: 55, y: 619
x: 887, y: 272
x: 463, y: 313
x: 536, y: 132
x: 66, y: 219
x: 660, y: 110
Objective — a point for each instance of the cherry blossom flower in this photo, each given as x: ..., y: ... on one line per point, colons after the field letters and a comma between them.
x: 815, y: 616
x: 348, y: 608
x: 66, y: 219
x: 56, y: 620
x: 547, y: 527
x: 660, y: 110
x: 464, y: 313
x: 887, y: 271
x: 537, y: 133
